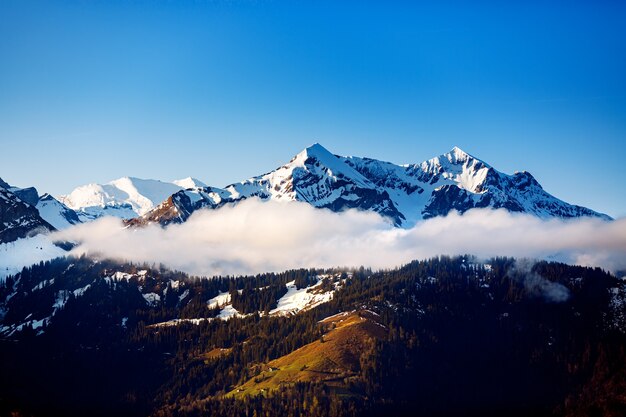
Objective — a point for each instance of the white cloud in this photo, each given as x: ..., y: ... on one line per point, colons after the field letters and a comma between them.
x: 255, y: 236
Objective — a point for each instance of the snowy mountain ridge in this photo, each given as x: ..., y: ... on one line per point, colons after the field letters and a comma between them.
x: 125, y: 197
x: 404, y: 194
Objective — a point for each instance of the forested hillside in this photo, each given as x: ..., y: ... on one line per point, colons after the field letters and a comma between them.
x: 445, y: 336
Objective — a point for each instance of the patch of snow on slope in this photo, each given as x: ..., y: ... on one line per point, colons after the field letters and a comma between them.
x: 152, y: 298
x: 183, y: 296
x: 118, y: 276
x: 176, y: 322
x: 25, y: 252
x: 43, y: 284
x: 34, y: 324
x: 62, y: 296
x: 219, y: 300
x: 297, y: 300
x: 229, y: 312
x: 222, y: 300
x: 80, y: 291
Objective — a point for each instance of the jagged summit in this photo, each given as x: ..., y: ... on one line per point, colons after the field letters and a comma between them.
x: 458, y: 155
x: 318, y: 151
x: 314, y: 152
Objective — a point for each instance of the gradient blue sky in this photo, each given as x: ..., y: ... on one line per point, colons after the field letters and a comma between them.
x: 222, y: 90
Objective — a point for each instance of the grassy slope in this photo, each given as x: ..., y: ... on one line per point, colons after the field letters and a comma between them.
x: 333, y: 360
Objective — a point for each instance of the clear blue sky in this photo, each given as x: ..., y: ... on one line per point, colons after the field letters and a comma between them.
x: 223, y: 90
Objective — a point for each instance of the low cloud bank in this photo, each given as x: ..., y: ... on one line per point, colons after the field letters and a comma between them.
x: 255, y: 236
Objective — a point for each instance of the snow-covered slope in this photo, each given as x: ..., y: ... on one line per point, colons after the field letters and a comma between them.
x: 302, y: 299
x: 26, y: 251
x: 402, y: 193
x: 125, y: 197
x: 56, y: 213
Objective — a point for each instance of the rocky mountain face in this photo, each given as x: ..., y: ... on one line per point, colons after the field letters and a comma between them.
x: 19, y: 219
x: 402, y: 193
x: 48, y: 211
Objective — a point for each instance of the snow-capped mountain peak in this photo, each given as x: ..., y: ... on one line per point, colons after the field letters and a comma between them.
x: 455, y: 158
x: 314, y: 176
x: 315, y: 151
x: 141, y: 193
x: 317, y: 158
x: 125, y: 197
x: 458, y: 155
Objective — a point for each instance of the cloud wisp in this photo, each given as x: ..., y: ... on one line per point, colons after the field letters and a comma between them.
x: 535, y: 284
x: 254, y: 236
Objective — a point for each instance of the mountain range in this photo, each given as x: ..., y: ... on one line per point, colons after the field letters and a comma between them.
x: 404, y: 194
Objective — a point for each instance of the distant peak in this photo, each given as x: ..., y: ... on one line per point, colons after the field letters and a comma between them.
x: 190, y: 182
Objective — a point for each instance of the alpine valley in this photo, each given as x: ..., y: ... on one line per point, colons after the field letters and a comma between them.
x: 450, y: 335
